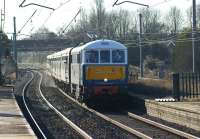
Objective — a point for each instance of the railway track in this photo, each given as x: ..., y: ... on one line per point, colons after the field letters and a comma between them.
x: 128, y: 125
x: 89, y: 121
x: 34, y: 123
x: 161, y: 126
x: 42, y: 117
x: 137, y: 125
x: 82, y: 133
x: 149, y: 127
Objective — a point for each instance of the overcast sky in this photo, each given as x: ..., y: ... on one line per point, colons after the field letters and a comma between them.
x: 65, y: 13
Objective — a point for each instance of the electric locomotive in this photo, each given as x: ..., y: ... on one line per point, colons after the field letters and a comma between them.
x: 93, y: 69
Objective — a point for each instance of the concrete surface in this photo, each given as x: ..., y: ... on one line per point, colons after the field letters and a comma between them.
x: 182, y: 113
x: 12, y: 122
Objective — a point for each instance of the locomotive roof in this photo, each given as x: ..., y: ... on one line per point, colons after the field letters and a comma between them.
x: 98, y: 44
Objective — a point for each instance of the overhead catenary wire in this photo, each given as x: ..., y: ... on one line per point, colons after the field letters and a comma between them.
x: 43, y: 6
x: 71, y: 21
x: 27, y: 21
x: 50, y: 15
x: 62, y: 4
x: 160, y: 3
x: 127, y: 1
x: 39, y: 13
x: 40, y: 10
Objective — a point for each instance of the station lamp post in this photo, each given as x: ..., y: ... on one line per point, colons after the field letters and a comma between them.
x: 140, y: 32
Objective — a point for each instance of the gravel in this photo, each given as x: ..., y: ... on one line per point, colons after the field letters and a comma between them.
x: 89, y: 122
x: 49, y: 122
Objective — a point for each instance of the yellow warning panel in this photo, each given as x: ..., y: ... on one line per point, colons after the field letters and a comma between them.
x: 102, y: 72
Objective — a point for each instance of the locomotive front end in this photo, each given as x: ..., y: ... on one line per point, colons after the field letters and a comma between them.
x: 106, y: 79
x: 105, y: 69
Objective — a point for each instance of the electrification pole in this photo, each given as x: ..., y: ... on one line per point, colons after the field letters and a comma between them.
x: 14, y: 44
x: 140, y: 33
x: 1, y: 20
x: 4, y: 13
x: 193, y: 34
x: 140, y: 45
x: 0, y: 56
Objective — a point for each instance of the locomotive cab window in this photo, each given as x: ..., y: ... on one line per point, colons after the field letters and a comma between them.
x: 105, y: 56
x: 118, y: 56
x: 91, y: 56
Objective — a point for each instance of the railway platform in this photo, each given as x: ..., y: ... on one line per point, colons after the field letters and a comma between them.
x: 183, y: 113
x: 12, y: 122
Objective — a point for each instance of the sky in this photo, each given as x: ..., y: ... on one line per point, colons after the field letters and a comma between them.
x: 62, y: 16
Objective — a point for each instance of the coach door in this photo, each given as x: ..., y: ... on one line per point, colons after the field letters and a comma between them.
x: 79, y: 67
x: 67, y: 68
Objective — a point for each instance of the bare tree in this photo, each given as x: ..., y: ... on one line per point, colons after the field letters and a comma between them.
x: 174, y: 19
x: 111, y: 24
x: 98, y: 17
x: 151, y: 21
x: 124, y: 24
x: 189, y: 16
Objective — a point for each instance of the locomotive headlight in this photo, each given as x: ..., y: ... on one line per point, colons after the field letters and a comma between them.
x: 105, y: 80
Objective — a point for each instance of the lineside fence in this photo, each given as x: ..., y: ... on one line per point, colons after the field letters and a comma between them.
x: 186, y: 86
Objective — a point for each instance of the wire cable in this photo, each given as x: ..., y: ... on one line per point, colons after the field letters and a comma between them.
x: 62, y: 4
x: 160, y: 3
x: 27, y: 21
x: 43, y: 6
x: 127, y: 1
x: 49, y: 16
x: 71, y: 21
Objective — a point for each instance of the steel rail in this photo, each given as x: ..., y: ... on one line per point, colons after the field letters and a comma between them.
x: 75, y: 127
x: 28, y: 110
x: 114, y: 122
x: 163, y: 127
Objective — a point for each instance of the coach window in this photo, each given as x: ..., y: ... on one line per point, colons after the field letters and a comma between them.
x: 105, y: 56
x: 78, y: 58
x: 66, y: 59
x: 91, y: 56
x: 118, y: 56
x: 74, y: 58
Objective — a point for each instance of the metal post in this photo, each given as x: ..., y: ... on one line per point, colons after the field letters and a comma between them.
x: 193, y: 34
x: 14, y: 44
x: 4, y: 12
x: 0, y: 57
x: 1, y: 29
x: 176, y: 90
x: 140, y: 45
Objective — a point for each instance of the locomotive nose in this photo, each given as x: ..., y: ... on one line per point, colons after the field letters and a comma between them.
x: 105, y: 80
